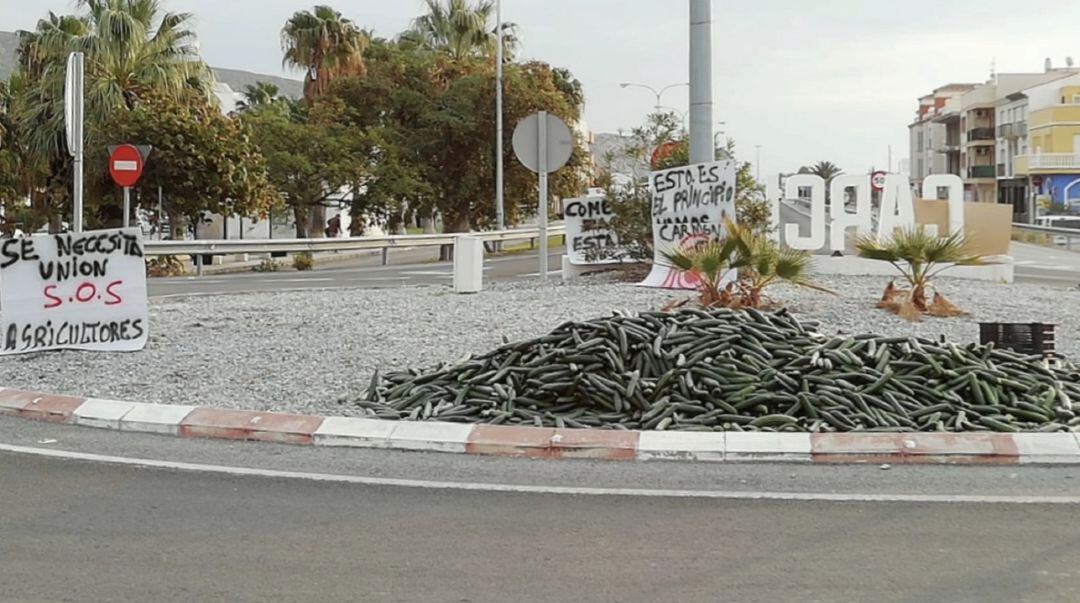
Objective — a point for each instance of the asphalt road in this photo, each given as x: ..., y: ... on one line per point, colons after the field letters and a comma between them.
x: 79, y: 530
x: 358, y: 273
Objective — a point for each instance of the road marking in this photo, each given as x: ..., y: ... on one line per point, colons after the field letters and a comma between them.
x: 560, y: 490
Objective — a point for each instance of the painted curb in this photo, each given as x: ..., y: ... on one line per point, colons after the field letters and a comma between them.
x: 545, y: 443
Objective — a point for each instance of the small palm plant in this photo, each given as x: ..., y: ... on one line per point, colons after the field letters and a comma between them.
x: 920, y: 256
x: 760, y: 263
x: 710, y: 261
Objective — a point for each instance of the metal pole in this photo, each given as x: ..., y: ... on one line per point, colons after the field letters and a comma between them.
x: 127, y: 206
x: 77, y: 112
x: 543, y: 210
x: 500, y: 212
x: 701, y: 94
x: 160, y: 221
x: 757, y: 170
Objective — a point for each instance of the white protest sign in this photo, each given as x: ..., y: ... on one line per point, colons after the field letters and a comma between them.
x: 81, y: 291
x: 589, y: 236
x: 689, y: 205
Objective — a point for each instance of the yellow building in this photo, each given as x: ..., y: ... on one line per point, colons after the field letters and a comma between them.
x: 1053, y: 159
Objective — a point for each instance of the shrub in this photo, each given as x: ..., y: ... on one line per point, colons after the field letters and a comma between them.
x: 164, y: 266
x: 920, y: 257
x: 268, y: 265
x: 303, y: 261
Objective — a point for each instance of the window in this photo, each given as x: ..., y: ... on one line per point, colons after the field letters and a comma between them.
x: 1076, y: 99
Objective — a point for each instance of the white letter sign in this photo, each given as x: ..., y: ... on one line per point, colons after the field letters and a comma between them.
x: 955, y: 185
x: 816, y: 240
x: 82, y: 291
x: 897, y: 206
x: 689, y: 205
x: 842, y: 220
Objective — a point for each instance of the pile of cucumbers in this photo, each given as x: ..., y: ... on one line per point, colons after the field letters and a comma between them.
x: 727, y: 370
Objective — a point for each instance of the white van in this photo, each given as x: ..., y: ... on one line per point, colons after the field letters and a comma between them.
x: 1059, y: 222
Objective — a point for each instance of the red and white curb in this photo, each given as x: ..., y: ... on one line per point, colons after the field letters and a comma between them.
x: 547, y: 443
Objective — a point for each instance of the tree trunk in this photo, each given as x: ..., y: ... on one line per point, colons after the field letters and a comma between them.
x: 428, y: 224
x: 317, y: 225
x: 300, y: 213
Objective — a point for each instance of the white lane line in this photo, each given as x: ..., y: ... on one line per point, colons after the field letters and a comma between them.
x: 561, y: 490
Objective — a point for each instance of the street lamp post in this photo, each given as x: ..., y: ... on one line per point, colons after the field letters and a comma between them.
x: 500, y: 212
x: 718, y: 134
x: 658, y: 93
x: 757, y: 170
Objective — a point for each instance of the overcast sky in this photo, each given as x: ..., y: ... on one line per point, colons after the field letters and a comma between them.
x: 831, y: 79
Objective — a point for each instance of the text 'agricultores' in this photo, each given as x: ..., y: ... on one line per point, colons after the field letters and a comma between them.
x: 76, y: 290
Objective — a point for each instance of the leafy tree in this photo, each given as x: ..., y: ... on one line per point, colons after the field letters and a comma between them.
x: 325, y: 45
x: 308, y: 162
x: 203, y: 161
x: 429, y: 126
x: 461, y: 29
x: 662, y: 144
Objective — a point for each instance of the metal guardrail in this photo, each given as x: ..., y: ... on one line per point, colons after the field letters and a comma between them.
x: 1068, y: 234
x: 239, y: 246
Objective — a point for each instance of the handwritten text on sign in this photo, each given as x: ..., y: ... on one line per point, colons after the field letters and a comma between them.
x: 589, y: 236
x: 689, y: 205
x: 84, y: 291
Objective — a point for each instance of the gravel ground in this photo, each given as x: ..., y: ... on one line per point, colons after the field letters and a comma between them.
x: 304, y: 351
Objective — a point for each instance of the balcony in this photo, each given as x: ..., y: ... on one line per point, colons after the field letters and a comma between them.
x: 1048, y: 163
x: 982, y: 171
x: 981, y: 135
x: 1013, y: 130
x: 948, y: 146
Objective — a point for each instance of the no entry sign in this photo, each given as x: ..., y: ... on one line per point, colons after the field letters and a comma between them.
x: 125, y: 165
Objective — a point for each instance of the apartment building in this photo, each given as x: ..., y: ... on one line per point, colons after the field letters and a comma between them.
x: 980, y: 132
x: 1052, y: 161
x: 935, y: 135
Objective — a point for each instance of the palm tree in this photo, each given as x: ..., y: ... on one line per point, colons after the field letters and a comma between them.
x: 461, y: 29
x: 133, y: 49
x: 325, y: 45
x: 259, y: 96
x: 826, y: 169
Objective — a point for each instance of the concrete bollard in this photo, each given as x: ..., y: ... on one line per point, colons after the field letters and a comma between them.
x: 468, y: 265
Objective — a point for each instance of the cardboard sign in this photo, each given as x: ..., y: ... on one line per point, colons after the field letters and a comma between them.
x: 987, y: 226
x: 590, y: 239
x: 689, y: 205
x: 81, y: 291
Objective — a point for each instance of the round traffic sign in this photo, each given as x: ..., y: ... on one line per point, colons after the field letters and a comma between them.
x: 877, y: 181
x: 125, y: 165
x: 560, y: 142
